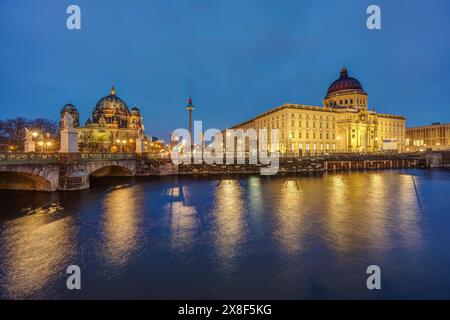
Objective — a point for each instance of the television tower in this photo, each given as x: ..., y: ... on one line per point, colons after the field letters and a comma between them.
x: 190, y: 108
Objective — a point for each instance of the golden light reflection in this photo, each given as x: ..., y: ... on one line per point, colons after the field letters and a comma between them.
x: 409, y: 207
x: 255, y: 196
x: 345, y: 194
x: 122, y: 224
x: 289, y: 216
x: 183, y: 220
x: 366, y: 210
x: 229, y: 215
x: 377, y: 209
x: 37, y: 249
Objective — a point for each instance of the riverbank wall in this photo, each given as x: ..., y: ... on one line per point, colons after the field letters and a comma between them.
x: 318, y: 165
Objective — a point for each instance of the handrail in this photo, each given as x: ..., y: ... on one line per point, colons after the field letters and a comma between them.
x: 31, y: 157
x: 107, y: 156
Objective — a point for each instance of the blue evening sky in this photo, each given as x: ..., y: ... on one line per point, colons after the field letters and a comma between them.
x: 245, y: 57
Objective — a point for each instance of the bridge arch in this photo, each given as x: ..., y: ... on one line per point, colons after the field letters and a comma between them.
x: 116, y: 168
x: 111, y: 171
x: 22, y: 180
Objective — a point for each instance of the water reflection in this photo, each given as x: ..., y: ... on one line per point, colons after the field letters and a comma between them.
x: 229, y: 215
x: 255, y: 196
x: 338, y: 197
x: 409, y: 209
x: 183, y: 219
x: 364, y: 211
x: 35, y: 250
x: 289, y: 215
x: 123, y: 214
x: 271, y: 237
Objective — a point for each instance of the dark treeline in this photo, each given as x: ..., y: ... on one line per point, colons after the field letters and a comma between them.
x: 12, y: 131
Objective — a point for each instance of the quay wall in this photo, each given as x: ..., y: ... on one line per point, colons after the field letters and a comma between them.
x: 292, y: 165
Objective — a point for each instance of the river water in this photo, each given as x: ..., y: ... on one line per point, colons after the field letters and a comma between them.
x: 232, y: 237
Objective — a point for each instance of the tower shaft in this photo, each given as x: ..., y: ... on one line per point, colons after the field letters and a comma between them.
x: 190, y: 129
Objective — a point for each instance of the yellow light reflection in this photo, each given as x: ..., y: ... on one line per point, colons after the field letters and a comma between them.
x: 255, y: 196
x: 289, y: 215
x: 366, y: 211
x: 122, y: 224
x: 38, y: 248
x: 409, y: 206
x: 183, y: 220
x: 229, y: 217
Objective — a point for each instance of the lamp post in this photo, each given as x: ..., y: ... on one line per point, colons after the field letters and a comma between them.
x: 48, y: 145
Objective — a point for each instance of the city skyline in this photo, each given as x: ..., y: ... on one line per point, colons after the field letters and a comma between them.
x: 224, y: 156
x: 247, y: 61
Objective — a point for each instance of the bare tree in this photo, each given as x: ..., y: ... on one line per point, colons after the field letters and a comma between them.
x: 12, y: 131
x: 45, y: 125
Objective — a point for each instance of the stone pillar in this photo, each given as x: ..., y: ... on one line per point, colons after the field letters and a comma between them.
x: 140, y: 145
x: 30, y: 145
x: 69, y: 141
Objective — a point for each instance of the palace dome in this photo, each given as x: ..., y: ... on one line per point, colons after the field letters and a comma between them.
x: 111, y: 104
x: 345, y: 83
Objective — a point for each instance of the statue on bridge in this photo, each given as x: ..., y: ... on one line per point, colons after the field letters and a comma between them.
x: 68, y: 135
x: 30, y: 144
x: 68, y: 121
x: 140, y: 142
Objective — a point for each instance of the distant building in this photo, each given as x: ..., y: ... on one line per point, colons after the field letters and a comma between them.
x: 112, y: 127
x: 343, y: 124
x: 435, y: 136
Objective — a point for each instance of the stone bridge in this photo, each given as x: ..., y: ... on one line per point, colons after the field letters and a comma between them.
x: 72, y: 171
x: 50, y: 172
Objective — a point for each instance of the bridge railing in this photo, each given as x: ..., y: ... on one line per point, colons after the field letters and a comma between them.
x: 22, y: 157
x: 107, y: 156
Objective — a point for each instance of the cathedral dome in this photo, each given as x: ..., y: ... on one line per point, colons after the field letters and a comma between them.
x: 345, y: 83
x: 135, y: 111
x: 69, y: 107
x: 111, y: 104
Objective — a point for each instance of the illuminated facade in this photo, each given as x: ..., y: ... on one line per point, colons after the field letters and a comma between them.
x: 112, y: 127
x: 343, y: 124
x: 435, y: 136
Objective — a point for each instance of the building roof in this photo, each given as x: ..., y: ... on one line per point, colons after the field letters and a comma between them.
x: 110, y: 104
x: 311, y: 108
x: 433, y: 125
x: 345, y: 82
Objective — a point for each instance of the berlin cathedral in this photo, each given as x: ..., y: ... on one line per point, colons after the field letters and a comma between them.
x: 112, y: 127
